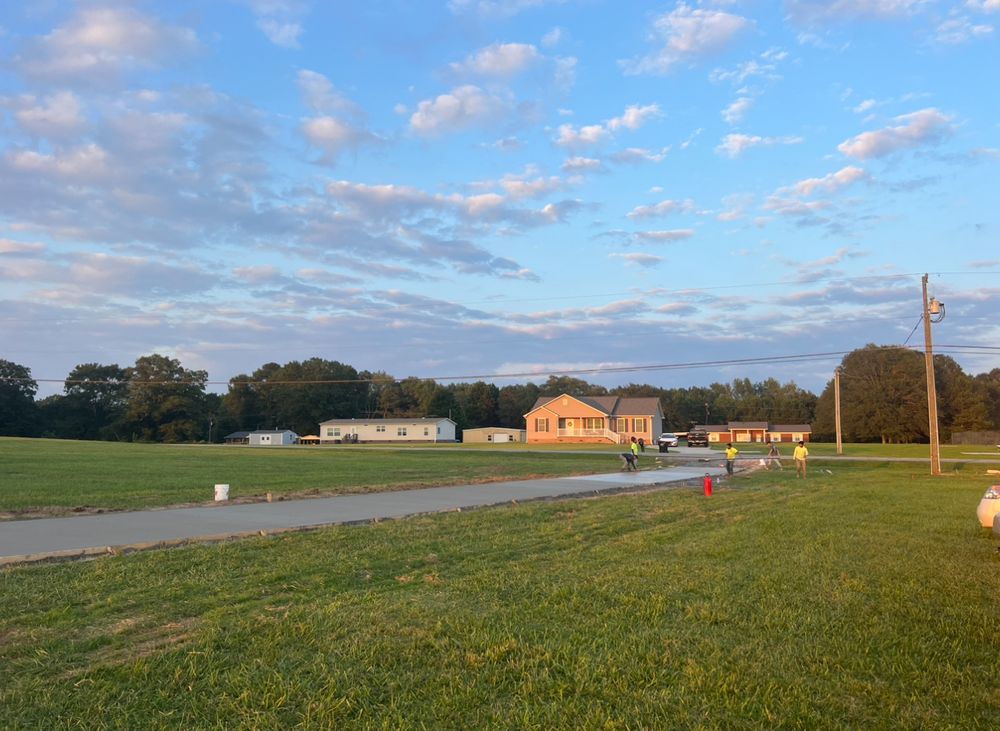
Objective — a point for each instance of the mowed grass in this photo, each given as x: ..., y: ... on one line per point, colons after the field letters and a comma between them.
x: 59, y: 475
x: 866, y: 598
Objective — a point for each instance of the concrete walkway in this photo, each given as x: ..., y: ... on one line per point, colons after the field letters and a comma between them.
x: 24, y: 541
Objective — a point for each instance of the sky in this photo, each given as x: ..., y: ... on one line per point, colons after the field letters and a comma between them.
x: 641, y: 192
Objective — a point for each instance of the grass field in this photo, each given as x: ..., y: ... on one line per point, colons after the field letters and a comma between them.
x: 58, y: 475
x: 866, y: 598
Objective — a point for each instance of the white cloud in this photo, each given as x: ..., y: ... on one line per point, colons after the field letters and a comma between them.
x: 88, y: 162
x: 333, y: 136
x: 866, y: 106
x: 737, y: 110
x: 828, y: 183
x: 588, y: 136
x: 638, y: 259
x: 321, y: 96
x: 685, y: 34
x: 816, y: 12
x: 663, y: 208
x: 502, y: 60
x: 565, y: 73
x: 58, y: 115
x: 635, y: 155
x: 734, y: 145
x: 98, y: 44
x: 9, y: 246
x: 926, y: 126
x: 677, y: 234
x: 497, y: 8
x: 984, y: 6
x: 463, y: 107
x: 279, y: 20
x: 553, y: 37
x: 960, y: 29
x: 634, y: 117
x: 582, y: 165
x: 281, y: 34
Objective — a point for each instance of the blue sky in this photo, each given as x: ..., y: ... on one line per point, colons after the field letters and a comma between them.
x: 490, y: 187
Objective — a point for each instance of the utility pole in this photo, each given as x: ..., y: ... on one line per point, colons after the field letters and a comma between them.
x: 706, y: 416
x: 836, y: 408
x: 932, y: 307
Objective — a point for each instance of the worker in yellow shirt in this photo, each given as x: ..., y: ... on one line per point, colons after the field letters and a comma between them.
x: 731, y: 453
x: 800, y: 455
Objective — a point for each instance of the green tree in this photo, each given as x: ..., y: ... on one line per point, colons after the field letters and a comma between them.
x: 556, y: 385
x: 17, y: 400
x: 883, y: 396
x: 95, y: 400
x: 513, y: 402
x: 166, y: 402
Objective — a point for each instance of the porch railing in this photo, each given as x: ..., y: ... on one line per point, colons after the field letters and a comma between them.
x: 611, y: 436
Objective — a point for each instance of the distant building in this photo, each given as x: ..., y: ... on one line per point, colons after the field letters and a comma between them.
x: 597, y: 419
x: 494, y: 434
x: 755, y: 431
x: 237, y: 437
x: 430, y: 429
x: 273, y: 438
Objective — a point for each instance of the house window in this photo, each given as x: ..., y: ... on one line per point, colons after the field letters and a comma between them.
x: 439, y: 430
x: 400, y: 431
x: 796, y: 437
x: 329, y: 431
x: 427, y: 431
x: 621, y: 425
x: 541, y: 424
x: 380, y: 428
x: 336, y: 431
x: 639, y: 425
x: 593, y: 422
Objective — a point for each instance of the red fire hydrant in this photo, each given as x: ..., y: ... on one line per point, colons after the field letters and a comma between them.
x: 708, y: 485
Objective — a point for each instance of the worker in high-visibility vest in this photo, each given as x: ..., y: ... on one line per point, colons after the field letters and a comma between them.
x: 731, y: 453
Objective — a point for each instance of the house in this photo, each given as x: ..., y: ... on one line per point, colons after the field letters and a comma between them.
x: 273, y: 437
x: 755, y: 431
x: 493, y: 434
x: 595, y: 419
x: 237, y: 437
x: 429, y: 429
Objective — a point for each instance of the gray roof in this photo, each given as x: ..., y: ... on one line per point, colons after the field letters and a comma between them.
x: 272, y: 431
x: 237, y: 435
x: 792, y: 427
x: 610, y: 405
x: 748, y: 425
x: 414, y: 420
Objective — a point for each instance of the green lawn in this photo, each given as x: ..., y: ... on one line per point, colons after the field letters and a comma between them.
x: 62, y: 475
x: 865, y: 598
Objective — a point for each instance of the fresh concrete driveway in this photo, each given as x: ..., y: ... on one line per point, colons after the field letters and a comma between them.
x: 33, y: 540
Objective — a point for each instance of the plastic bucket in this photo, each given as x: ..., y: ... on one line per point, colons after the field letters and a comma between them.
x: 221, y: 492
x: 989, y: 507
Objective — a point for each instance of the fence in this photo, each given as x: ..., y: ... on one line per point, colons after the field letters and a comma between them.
x: 975, y: 437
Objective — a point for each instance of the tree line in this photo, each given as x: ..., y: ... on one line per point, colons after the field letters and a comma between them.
x: 159, y: 400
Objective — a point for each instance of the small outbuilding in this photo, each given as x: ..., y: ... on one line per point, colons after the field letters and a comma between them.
x: 493, y: 434
x: 237, y: 437
x: 273, y: 438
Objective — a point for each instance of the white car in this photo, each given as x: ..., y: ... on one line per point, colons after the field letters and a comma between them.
x: 669, y: 439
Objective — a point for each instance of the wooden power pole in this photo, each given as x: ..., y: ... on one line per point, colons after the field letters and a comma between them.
x: 932, y: 415
x: 836, y: 408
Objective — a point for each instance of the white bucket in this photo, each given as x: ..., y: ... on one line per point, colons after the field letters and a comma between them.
x: 221, y: 492
x: 989, y: 507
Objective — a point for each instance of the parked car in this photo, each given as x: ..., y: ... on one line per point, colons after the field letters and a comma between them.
x: 668, y: 439
x: 697, y: 438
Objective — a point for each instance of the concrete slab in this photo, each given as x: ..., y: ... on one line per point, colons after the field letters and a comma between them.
x: 32, y: 540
